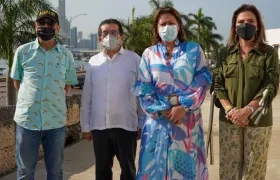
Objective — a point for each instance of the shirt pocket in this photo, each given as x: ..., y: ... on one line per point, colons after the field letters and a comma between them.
x: 230, y: 70
x: 60, y: 71
x: 255, y: 71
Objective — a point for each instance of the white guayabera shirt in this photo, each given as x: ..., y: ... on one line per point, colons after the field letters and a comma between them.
x: 107, y: 101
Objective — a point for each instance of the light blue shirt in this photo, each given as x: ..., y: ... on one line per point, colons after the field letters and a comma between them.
x: 41, y: 103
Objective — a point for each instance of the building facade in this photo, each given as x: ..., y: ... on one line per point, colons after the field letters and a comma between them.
x: 64, y: 22
x: 74, y: 37
x: 273, y: 39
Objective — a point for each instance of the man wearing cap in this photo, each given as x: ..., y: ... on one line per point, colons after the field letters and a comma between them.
x: 43, y: 71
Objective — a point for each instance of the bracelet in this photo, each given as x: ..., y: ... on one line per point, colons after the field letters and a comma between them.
x: 227, y: 111
x: 228, y: 108
x: 250, y: 108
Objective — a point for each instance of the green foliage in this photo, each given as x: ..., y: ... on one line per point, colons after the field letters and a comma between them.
x: 17, y: 24
x: 16, y: 28
x: 197, y: 27
x: 138, y: 35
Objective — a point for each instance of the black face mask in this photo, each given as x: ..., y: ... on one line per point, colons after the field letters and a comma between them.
x: 246, y: 31
x: 45, y: 33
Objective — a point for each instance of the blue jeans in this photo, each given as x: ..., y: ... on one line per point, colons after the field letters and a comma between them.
x: 27, y: 150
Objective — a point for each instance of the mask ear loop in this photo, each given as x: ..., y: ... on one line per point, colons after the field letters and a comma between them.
x: 120, y: 41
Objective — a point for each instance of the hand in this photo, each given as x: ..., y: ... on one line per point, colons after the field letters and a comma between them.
x: 240, y: 117
x: 67, y: 88
x: 176, y: 115
x: 230, y: 113
x: 165, y: 112
x: 139, y: 132
x: 87, y: 135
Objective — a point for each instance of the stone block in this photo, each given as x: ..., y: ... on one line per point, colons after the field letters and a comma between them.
x: 73, y: 115
x: 73, y: 134
x: 7, y: 160
x: 7, y: 114
x: 7, y: 133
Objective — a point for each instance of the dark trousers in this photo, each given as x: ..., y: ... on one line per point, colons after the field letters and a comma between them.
x: 114, y: 142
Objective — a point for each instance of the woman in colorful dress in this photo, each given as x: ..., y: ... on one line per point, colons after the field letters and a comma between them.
x: 172, y: 85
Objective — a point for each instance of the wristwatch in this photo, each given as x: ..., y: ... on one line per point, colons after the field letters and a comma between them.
x: 173, y: 99
x: 186, y: 109
x: 228, y: 108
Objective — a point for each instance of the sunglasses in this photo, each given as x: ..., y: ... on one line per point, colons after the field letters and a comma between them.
x: 45, y: 22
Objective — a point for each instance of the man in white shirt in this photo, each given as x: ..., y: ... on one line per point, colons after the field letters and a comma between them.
x: 109, y: 114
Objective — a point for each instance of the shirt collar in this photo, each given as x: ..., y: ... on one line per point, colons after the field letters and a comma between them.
x: 236, y: 49
x: 37, y: 45
x: 177, y: 42
x: 121, y: 51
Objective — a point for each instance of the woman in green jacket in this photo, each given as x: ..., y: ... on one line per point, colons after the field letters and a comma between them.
x: 245, y: 84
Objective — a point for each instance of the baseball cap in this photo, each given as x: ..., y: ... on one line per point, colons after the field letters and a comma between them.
x: 48, y: 14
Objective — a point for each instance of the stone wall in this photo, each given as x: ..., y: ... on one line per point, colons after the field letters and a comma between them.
x: 7, y: 132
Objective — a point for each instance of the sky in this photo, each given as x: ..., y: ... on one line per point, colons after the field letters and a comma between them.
x: 220, y: 10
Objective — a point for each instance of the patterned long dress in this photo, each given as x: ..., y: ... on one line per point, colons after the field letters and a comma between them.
x: 168, y: 151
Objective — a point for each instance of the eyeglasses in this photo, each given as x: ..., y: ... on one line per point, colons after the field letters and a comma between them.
x: 45, y: 22
x: 114, y: 33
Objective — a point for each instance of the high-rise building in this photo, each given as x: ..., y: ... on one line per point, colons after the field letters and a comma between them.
x: 64, y: 22
x: 93, y: 41
x: 61, y: 8
x: 74, y: 37
x: 85, y: 44
x: 80, y: 35
x: 61, y: 13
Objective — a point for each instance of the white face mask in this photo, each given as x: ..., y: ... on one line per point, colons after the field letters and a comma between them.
x: 110, y: 42
x: 168, y: 33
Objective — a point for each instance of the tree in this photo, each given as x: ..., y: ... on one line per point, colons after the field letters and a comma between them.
x: 188, y: 27
x: 17, y: 28
x: 156, y: 4
x: 201, y: 22
x: 209, y: 41
x: 137, y: 33
x: 197, y: 27
x: 202, y: 28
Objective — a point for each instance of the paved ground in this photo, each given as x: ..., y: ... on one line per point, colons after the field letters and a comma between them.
x: 79, y: 159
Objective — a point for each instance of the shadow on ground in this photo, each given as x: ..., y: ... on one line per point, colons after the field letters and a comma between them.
x: 78, y: 159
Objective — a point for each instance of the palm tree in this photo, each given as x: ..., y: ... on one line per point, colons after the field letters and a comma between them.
x: 16, y: 28
x: 137, y: 33
x: 156, y: 4
x: 188, y: 27
x: 201, y: 22
x: 209, y: 41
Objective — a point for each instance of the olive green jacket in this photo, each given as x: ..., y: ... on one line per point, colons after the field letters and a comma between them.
x: 241, y: 81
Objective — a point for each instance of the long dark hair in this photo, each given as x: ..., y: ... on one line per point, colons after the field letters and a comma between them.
x: 260, y: 35
x: 167, y: 10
